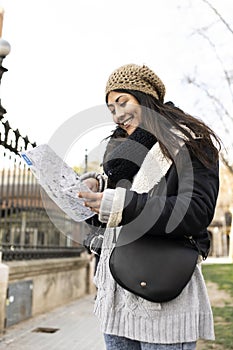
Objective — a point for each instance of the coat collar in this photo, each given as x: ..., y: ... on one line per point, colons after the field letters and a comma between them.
x: 153, y: 168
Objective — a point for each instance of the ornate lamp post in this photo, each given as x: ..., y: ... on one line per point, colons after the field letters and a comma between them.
x: 86, y: 162
x: 4, y: 51
x: 4, y: 270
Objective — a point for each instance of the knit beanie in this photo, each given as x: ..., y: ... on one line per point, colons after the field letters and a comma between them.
x: 134, y: 77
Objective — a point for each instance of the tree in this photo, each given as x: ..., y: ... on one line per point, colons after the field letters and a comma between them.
x: 219, y: 91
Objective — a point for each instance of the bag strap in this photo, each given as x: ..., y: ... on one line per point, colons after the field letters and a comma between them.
x: 203, y: 253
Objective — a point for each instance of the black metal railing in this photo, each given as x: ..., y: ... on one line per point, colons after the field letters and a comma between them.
x: 18, y: 252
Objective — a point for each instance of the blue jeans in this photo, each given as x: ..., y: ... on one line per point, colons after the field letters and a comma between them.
x: 113, y: 342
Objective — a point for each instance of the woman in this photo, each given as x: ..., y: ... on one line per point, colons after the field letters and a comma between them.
x: 163, y: 163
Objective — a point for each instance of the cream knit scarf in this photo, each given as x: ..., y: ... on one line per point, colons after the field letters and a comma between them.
x: 153, y: 168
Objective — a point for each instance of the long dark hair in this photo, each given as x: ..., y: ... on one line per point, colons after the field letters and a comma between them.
x: 170, y: 124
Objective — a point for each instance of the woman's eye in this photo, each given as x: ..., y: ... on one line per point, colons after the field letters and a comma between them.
x: 122, y: 104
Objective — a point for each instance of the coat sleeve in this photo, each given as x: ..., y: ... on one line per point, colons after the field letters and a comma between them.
x: 184, y: 204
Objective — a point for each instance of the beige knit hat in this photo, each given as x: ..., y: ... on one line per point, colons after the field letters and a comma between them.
x: 134, y: 77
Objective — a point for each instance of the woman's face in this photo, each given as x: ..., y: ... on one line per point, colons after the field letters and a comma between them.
x: 125, y: 109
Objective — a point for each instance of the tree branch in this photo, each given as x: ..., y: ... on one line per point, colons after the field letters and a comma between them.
x: 202, y: 33
x: 216, y: 101
x: 219, y: 16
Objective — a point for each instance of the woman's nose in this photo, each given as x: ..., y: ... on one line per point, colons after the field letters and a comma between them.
x: 119, y: 114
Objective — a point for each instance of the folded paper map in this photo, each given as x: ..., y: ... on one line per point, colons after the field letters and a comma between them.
x: 59, y: 180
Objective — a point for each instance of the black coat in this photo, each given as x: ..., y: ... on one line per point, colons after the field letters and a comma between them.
x: 182, y: 204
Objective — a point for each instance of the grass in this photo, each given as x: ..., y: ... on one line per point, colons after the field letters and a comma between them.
x: 222, y: 275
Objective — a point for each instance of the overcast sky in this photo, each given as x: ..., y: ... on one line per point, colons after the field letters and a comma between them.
x: 62, y: 53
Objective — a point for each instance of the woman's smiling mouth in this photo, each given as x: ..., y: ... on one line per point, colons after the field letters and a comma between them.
x: 126, y: 122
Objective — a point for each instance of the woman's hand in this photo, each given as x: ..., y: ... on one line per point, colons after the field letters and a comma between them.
x: 91, y: 183
x: 92, y: 200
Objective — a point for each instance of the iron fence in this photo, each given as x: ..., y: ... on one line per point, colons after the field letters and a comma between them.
x: 26, y: 230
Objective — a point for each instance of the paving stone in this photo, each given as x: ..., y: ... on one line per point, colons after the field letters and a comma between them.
x: 78, y: 329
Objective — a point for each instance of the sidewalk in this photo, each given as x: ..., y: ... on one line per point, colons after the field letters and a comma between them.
x: 74, y: 325
x: 216, y: 260
x: 77, y: 329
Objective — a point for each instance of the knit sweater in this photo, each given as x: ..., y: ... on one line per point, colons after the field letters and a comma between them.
x: 184, y: 319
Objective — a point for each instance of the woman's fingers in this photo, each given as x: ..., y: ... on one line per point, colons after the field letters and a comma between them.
x: 90, y: 195
x: 92, y: 184
x: 91, y: 200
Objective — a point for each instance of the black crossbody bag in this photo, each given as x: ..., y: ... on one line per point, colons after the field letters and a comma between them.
x: 154, y: 268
